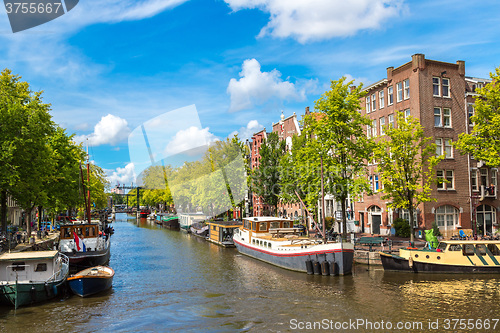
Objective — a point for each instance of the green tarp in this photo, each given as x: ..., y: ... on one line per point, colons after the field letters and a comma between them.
x: 430, y: 238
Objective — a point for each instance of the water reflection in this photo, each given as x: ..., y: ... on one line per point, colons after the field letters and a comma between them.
x: 169, y: 281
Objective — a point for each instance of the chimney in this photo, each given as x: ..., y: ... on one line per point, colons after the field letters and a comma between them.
x: 461, y: 67
x: 352, y: 88
x: 389, y: 73
x: 307, y: 110
x: 418, y: 61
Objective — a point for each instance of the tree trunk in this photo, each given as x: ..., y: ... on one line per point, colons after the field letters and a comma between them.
x: 3, y: 210
x: 39, y: 217
x: 412, y: 229
x: 344, y: 219
x: 28, y: 222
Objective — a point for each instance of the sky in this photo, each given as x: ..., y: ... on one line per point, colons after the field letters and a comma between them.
x: 109, y: 67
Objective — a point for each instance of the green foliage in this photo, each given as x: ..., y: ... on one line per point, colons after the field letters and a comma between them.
x: 435, y: 229
x: 406, y: 162
x: 334, y: 134
x: 402, y: 227
x: 265, y: 180
x: 484, y: 140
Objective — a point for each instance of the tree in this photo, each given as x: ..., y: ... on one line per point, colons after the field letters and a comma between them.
x: 484, y: 140
x: 406, y: 163
x: 334, y: 135
x: 265, y: 180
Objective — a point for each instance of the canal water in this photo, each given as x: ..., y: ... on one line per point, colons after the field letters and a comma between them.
x: 168, y: 281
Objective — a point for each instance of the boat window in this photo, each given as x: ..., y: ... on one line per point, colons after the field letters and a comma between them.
x: 265, y: 243
x: 214, y: 227
x: 442, y: 246
x: 92, y: 232
x: 78, y: 231
x: 275, y: 225
x: 263, y: 226
x: 286, y: 224
x: 494, y: 249
x: 86, y: 231
x: 468, y: 250
x: 246, y: 225
x: 42, y: 267
x: 18, y: 266
x: 269, y: 244
x: 67, y: 233
x: 236, y: 231
x: 481, y: 248
x: 254, y: 225
x: 455, y: 247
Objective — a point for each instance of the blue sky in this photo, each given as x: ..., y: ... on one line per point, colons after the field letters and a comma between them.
x: 109, y: 66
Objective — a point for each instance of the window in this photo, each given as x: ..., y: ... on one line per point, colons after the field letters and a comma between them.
x: 481, y: 248
x: 390, y: 120
x: 390, y: 96
x: 262, y: 226
x: 41, y: 267
x: 406, y: 86
x: 470, y: 111
x: 455, y: 247
x: 371, y: 181
x: 446, y: 87
x: 439, y: 147
x: 448, y: 148
x: 382, y: 124
x: 446, y: 179
x: 381, y: 99
x: 275, y: 225
x: 368, y: 104
x: 447, y: 217
x: 446, y: 117
x: 368, y: 131
x: 437, y: 117
x: 468, y: 250
x: 374, y: 127
x: 18, y: 266
x: 399, y: 91
x: 374, y: 102
x: 377, y: 188
x: 436, y: 86
x: 286, y: 224
x: 473, y: 180
x: 494, y: 249
x: 407, y: 113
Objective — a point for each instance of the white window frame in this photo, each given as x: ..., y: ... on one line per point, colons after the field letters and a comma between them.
x: 368, y: 131
x: 446, y: 117
x: 374, y: 102
x: 438, y: 85
x: 407, y: 113
x: 390, y: 120
x: 390, y: 95
x: 374, y: 128
x: 381, y: 99
x: 448, y: 95
x: 440, y: 117
x: 406, y: 89
x: 446, y: 214
x: 376, y: 183
x: 449, y: 175
x: 399, y: 92
x: 381, y: 122
x: 368, y: 104
x: 439, y: 146
x: 473, y: 180
x: 447, y: 148
x: 470, y: 113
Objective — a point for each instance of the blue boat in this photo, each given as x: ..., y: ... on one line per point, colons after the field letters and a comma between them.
x: 91, y: 281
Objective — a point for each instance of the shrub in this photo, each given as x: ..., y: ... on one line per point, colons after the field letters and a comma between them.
x: 435, y: 229
x: 402, y: 227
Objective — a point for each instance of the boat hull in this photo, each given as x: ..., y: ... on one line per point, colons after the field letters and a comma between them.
x: 82, y: 260
x: 172, y: 224
x: 341, y: 256
x: 23, y: 294
x: 392, y: 262
x: 87, y: 286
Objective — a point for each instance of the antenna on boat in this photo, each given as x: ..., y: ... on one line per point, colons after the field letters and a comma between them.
x: 88, y: 183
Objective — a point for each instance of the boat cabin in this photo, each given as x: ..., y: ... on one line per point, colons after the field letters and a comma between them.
x: 221, y: 232
x: 88, y: 234
x: 267, y: 224
x: 81, y: 230
x: 28, y: 266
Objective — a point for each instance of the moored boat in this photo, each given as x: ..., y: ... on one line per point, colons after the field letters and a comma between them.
x: 221, y: 232
x: 451, y: 256
x: 275, y: 241
x: 170, y: 222
x: 32, y: 276
x: 91, y: 281
x: 85, y: 245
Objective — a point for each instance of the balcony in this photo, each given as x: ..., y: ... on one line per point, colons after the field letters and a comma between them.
x: 488, y: 192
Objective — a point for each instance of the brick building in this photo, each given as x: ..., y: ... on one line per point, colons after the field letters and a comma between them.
x: 258, y: 205
x: 439, y: 95
x: 286, y: 128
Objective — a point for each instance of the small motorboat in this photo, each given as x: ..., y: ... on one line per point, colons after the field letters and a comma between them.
x: 91, y: 281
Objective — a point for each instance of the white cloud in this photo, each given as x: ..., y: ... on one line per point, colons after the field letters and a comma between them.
x: 124, y: 175
x: 109, y: 130
x: 321, y: 19
x: 244, y: 133
x: 188, y: 139
x: 256, y: 87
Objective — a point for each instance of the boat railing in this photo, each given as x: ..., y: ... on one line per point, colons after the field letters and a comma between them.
x: 63, y: 262
x: 15, y: 268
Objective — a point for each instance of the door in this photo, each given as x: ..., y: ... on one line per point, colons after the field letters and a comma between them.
x: 376, y: 220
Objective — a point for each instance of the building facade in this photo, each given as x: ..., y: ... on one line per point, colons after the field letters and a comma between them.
x: 439, y: 96
x: 259, y: 207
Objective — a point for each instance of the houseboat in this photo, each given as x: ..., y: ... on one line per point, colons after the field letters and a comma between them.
x: 187, y: 219
x: 221, y: 232
x: 451, y: 256
x: 170, y: 222
x: 275, y: 241
x: 32, y: 276
x: 85, y: 245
